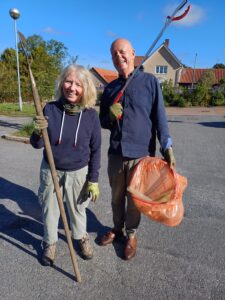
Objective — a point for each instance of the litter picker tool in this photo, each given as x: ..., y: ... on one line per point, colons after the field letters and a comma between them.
x: 51, y: 162
x: 169, y: 19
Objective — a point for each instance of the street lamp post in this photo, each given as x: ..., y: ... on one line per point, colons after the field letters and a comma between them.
x: 15, y: 14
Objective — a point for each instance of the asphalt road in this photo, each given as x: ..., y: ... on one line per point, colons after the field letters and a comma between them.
x: 185, y: 262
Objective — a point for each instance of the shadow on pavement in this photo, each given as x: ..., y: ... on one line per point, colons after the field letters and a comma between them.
x: 174, y: 121
x: 26, y: 226
x: 26, y: 199
x: 213, y: 124
x: 35, y: 256
x: 10, y: 125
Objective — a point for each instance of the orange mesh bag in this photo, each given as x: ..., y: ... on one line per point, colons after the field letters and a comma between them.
x: 157, y: 191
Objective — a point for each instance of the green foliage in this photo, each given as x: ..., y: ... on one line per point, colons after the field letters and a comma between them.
x: 222, y: 82
x: 9, y: 57
x: 207, y: 79
x: 26, y: 130
x: 173, y: 96
x: 47, y: 62
x: 219, y: 66
x: 218, y: 98
x: 203, y: 91
x: 72, y: 59
x: 168, y: 92
x: 12, y: 109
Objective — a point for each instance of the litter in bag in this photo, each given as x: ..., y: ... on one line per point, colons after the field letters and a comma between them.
x: 157, y: 191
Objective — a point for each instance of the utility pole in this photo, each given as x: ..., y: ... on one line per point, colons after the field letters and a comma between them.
x: 193, y: 73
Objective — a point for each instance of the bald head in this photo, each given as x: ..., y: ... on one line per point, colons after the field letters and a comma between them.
x: 123, y: 56
x: 121, y: 41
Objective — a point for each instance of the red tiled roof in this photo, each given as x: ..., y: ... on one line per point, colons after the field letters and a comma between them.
x: 187, y: 75
x: 138, y: 60
x: 107, y: 75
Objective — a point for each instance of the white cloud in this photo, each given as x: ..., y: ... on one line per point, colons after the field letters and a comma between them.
x: 195, y: 15
x: 50, y: 30
x: 111, y: 34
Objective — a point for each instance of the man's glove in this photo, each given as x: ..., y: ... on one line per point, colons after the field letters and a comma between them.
x: 169, y: 157
x: 115, y: 111
x: 40, y: 122
x: 93, y: 190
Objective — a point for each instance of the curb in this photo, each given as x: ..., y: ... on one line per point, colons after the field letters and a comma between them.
x: 16, y: 138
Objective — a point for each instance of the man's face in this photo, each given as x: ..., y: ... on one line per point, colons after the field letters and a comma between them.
x: 123, y: 57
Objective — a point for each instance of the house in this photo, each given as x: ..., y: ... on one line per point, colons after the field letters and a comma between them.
x: 190, y: 77
x: 164, y: 65
x: 102, y: 77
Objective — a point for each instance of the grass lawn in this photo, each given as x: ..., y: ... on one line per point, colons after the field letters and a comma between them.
x: 12, y: 109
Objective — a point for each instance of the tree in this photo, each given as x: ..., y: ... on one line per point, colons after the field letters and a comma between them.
x: 203, y: 92
x: 219, y: 66
x: 58, y: 51
x: 8, y: 76
x: 47, y: 61
x: 73, y: 59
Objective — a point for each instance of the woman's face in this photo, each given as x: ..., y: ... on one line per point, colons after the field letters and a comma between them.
x: 72, y: 88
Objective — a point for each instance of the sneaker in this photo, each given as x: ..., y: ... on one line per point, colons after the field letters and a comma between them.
x: 86, y: 248
x: 48, y: 255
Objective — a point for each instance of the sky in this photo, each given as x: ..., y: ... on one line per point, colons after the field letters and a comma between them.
x: 88, y: 27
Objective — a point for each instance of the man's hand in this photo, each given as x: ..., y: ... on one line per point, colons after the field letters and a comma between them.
x: 169, y: 157
x: 115, y: 111
x: 93, y: 189
x: 40, y: 122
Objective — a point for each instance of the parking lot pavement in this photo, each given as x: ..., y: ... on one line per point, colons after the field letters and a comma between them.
x: 185, y: 262
x: 196, y: 111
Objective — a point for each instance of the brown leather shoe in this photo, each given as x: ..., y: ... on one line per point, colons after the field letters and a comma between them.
x: 109, y: 237
x: 130, y: 249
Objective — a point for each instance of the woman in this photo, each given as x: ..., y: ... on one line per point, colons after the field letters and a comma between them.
x: 75, y: 136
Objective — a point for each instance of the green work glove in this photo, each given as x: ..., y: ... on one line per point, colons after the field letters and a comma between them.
x: 40, y: 122
x: 115, y: 111
x: 93, y: 190
x: 169, y: 157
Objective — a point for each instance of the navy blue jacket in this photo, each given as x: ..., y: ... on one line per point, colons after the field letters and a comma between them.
x: 143, y: 118
x: 68, y: 157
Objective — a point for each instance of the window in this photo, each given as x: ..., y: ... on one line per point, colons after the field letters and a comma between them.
x: 161, y: 69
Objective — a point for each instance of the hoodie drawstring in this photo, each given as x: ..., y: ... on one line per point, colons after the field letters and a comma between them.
x: 78, y: 126
x: 77, y: 129
x: 61, y: 129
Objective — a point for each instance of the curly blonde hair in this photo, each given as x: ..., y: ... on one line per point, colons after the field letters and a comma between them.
x: 85, y: 77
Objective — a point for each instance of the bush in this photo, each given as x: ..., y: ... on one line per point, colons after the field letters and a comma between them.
x: 218, y: 98
x: 181, y: 102
x: 168, y: 93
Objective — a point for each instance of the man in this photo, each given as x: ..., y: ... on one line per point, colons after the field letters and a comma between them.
x: 134, y: 123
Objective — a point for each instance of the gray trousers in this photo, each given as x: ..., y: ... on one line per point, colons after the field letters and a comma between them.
x: 73, y: 188
x: 125, y: 214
